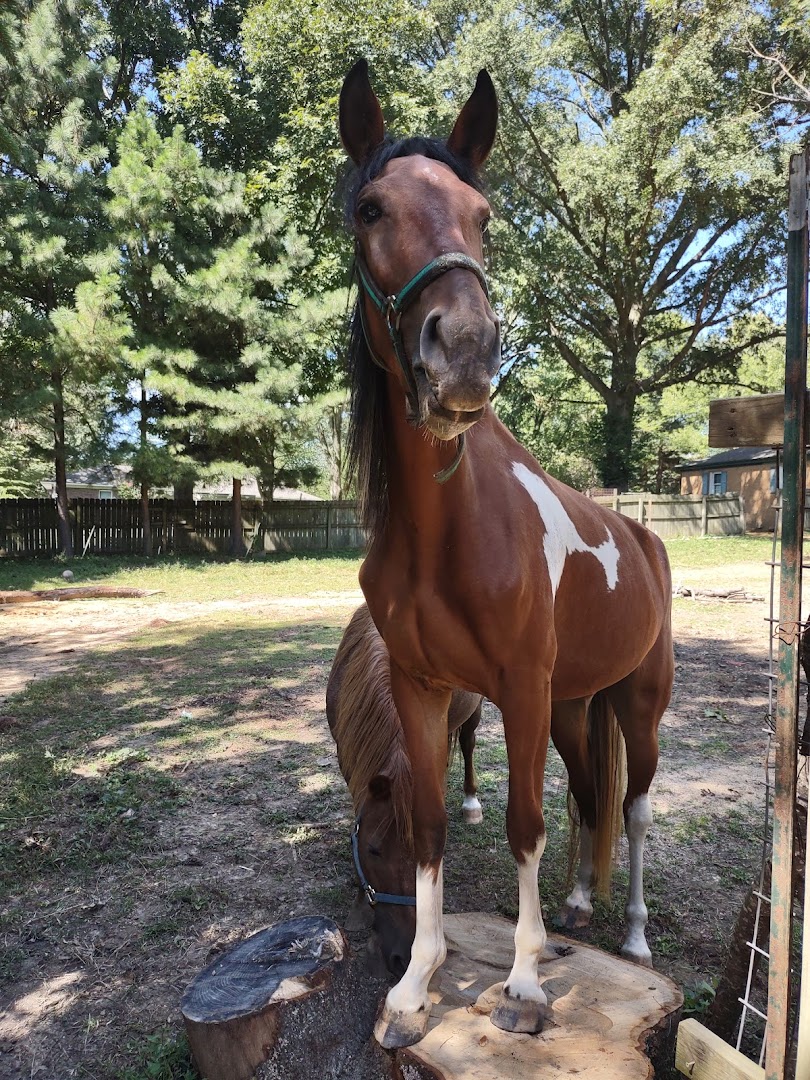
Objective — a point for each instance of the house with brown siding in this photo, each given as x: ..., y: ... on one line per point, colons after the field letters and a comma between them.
x: 750, y: 472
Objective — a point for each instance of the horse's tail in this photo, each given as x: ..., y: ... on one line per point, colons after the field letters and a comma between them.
x: 608, y: 762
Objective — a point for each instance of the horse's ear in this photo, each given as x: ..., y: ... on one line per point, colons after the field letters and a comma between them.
x: 474, y: 132
x: 379, y: 788
x: 362, y: 128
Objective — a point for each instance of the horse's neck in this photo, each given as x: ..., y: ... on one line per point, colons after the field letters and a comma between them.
x: 416, y: 498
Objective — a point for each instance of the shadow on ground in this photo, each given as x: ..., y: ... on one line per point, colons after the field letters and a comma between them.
x: 175, y: 793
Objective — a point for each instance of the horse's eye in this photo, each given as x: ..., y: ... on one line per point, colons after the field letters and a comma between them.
x: 369, y: 212
x: 375, y: 851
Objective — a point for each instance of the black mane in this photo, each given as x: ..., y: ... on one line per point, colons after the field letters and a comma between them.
x: 367, y: 428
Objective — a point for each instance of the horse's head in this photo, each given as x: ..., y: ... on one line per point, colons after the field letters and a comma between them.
x: 426, y: 316
x: 387, y: 864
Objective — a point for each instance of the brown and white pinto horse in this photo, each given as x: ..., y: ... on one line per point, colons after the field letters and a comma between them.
x: 501, y: 580
x: 374, y: 761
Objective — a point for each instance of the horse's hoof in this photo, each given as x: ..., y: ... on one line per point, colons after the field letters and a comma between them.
x: 473, y: 815
x: 574, y: 918
x: 395, y: 1029
x: 640, y: 956
x: 519, y: 1014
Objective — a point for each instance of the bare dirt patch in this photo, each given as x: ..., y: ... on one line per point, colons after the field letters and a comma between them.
x: 178, y: 790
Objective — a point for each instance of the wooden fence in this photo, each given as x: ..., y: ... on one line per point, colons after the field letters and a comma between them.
x: 113, y: 526
x: 681, y: 515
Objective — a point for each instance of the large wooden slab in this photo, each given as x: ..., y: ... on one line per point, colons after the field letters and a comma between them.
x: 747, y: 421
x: 603, y: 1010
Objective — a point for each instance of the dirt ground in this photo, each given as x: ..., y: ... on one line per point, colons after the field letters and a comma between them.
x: 199, y: 799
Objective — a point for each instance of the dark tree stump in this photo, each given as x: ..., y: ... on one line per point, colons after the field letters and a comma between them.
x: 287, y: 1002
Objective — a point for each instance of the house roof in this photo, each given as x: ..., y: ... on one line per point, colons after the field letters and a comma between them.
x: 744, y: 455
x: 100, y: 476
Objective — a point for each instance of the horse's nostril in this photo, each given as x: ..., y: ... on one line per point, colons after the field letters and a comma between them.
x: 431, y: 328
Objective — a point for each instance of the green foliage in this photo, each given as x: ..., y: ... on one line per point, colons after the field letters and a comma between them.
x: 164, y: 1055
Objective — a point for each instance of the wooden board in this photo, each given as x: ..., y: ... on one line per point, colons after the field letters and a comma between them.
x: 604, y: 1012
x: 702, y: 1055
x: 747, y: 421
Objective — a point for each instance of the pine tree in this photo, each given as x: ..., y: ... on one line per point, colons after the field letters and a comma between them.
x: 206, y: 283
x: 60, y: 330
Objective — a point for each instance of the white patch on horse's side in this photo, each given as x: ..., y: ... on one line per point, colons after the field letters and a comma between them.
x: 429, y: 948
x: 637, y: 822
x: 561, y: 537
x: 530, y: 933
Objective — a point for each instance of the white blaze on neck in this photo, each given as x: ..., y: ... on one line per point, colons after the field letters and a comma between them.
x: 561, y: 537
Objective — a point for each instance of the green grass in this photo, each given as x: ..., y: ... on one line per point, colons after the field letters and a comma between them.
x: 194, y: 578
x: 210, y: 578
x: 706, y: 551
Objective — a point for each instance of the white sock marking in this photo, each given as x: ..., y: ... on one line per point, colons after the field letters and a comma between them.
x: 429, y: 948
x: 470, y: 803
x: 580, y: 898
x: 639, y: 819
x: 530, y: 934
x: 561, y: 537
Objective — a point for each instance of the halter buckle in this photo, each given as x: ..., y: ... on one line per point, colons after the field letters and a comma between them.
x: 370, y: 895
x: 392, y: 316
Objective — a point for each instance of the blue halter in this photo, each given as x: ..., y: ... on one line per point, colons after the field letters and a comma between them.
x: 369, y: 891
x: 392, y: 308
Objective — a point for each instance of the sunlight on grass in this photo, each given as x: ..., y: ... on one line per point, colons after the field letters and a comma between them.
x: 196, y: 579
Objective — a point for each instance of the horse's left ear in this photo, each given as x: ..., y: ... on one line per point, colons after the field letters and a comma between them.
x: 474, y: 132
x: 362, y: 128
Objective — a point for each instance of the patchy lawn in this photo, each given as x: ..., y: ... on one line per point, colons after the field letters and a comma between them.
x: 176, y: 789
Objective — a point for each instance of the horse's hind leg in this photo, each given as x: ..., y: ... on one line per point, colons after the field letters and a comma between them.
x: 471, y: 807
x: 639, y: 702
x: 569, y: 732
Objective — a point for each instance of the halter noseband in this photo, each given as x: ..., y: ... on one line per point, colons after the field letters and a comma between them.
x: 392, y: 309
x: 369, y: 892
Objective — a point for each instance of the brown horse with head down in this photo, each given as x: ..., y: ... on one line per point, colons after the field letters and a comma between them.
x: 483, y: 572
x: 374, y: 761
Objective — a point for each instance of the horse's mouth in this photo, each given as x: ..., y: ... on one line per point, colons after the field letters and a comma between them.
x: 443, y: 423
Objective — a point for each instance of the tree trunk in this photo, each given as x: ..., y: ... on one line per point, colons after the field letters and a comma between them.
x: 237, y: 537
x: 617, y: 441
x: 146, y: 520
x: 60, y: 466
x: 184, y: 491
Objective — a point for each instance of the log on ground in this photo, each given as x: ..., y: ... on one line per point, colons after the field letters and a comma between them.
x: 82, y: 592
x: 287, y: 1002
x: 609, y: 1019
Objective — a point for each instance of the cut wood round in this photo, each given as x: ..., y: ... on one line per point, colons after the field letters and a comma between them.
x: 286, y: 1003
x: 80, y: 592
x: 608, y: 1019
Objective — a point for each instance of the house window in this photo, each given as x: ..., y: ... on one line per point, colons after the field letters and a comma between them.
x: 105, y: 493
x: 715, y: 483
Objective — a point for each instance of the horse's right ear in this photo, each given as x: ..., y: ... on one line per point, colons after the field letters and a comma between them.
x: 362, y: 128
x: 379, y: 787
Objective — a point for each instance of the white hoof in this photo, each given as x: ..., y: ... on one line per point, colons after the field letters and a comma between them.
x: 471, y: 811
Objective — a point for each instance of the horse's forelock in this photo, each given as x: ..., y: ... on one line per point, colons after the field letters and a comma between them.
x: 391, y: 148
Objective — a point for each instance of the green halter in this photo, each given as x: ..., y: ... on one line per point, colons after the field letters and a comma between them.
x: 392, y: 308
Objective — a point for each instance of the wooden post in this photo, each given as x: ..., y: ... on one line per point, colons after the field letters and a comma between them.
x: 787, y: 695
x: 640, y: 511
x: 704, y: 516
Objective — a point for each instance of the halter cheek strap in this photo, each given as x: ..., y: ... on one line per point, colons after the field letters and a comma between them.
x: 392, y: 308
x: 369, y: 892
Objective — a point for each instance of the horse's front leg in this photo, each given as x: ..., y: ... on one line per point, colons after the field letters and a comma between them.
x: 527, y: 721
x: 423, y: 714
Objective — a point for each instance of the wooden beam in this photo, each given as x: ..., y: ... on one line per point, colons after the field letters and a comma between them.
x: 702, y: 1055
x: 747, y: 421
